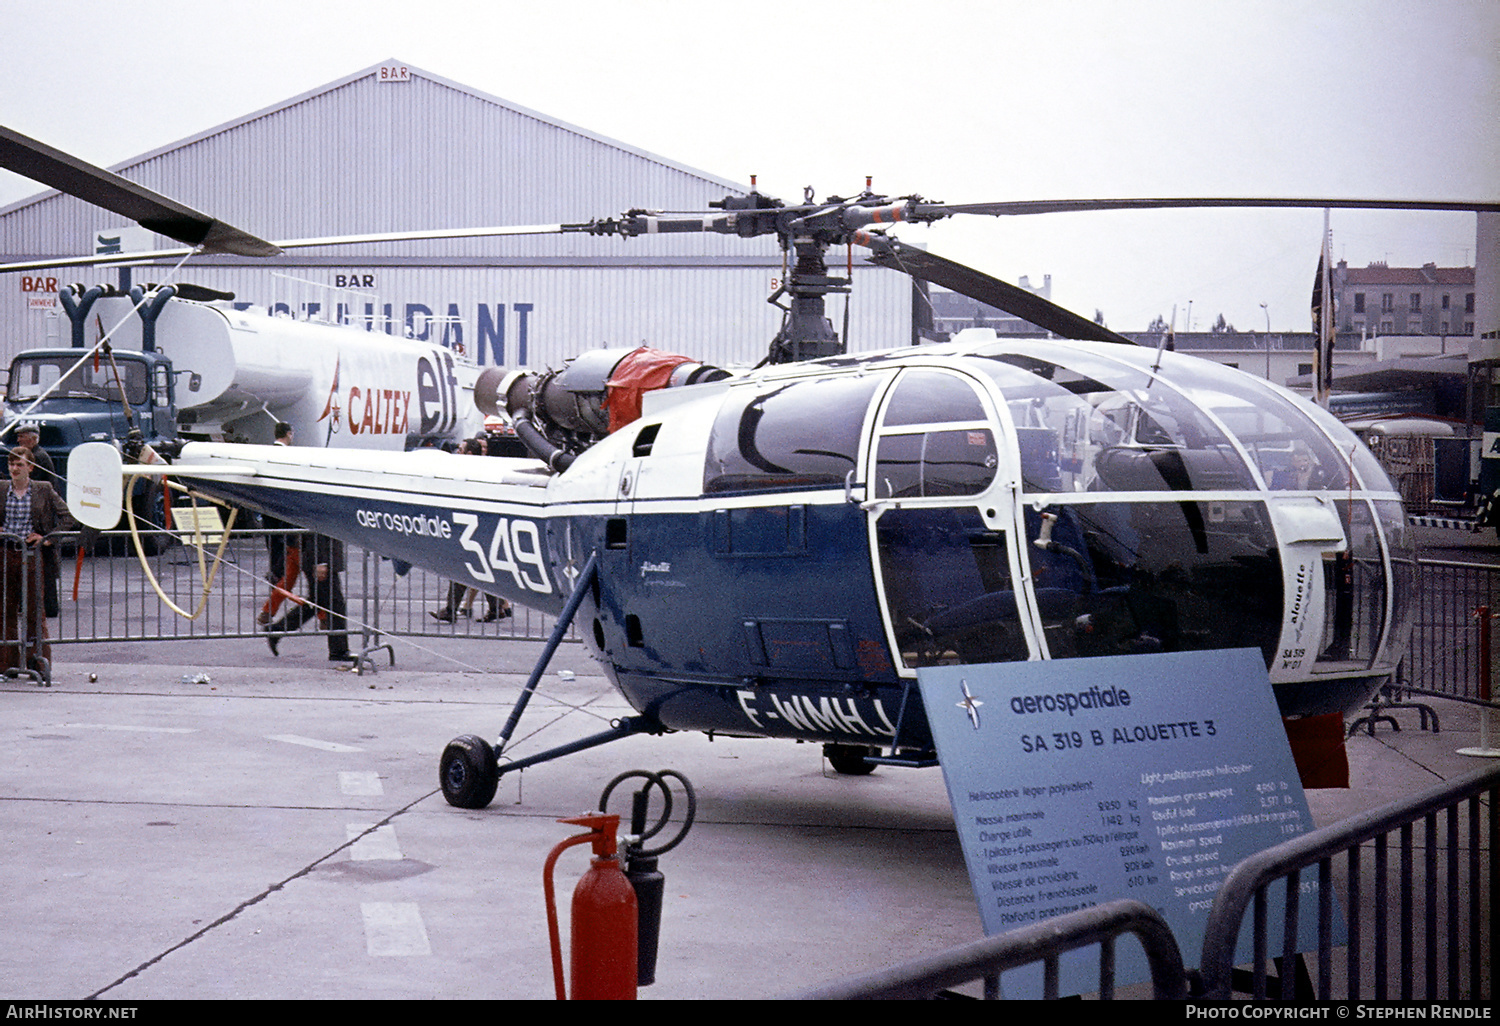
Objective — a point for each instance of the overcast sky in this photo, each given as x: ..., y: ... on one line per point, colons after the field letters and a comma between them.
x: 958, y: 101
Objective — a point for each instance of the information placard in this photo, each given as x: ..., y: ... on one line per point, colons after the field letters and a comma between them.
x: 1080, y: 781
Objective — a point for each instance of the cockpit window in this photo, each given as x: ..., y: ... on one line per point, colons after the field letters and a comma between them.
x: 1367, y: 468
x: 935, y: 440
x: 1291, y: 452
x: 933, y: 463
x: 795, y: 435
x: 1091, y: 425
x: 931, y: 397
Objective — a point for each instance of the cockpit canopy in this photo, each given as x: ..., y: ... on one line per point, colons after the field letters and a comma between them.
x: 1048, y: 499
x: 1081, y: 421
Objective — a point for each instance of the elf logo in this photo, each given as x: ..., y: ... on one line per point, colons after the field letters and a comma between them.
x: 437, y: 393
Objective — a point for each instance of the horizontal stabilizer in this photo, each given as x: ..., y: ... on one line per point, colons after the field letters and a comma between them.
x: 96, y: 474
x: 94, y: 485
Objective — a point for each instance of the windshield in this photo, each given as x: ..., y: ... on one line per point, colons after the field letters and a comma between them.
x: 32, y: 376
x: 1092, y: 425
x: 794, y: 435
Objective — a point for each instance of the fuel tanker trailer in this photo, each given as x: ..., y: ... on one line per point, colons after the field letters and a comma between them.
x: 182, y: 363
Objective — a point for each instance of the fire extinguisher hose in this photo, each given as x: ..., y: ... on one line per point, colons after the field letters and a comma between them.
x: 552, y: 929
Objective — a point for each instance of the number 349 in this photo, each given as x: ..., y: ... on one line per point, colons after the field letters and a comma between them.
x: 515, y: 548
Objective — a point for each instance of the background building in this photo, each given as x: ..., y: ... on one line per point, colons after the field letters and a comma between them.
x: 1426, y: 300
x: 394, y: 148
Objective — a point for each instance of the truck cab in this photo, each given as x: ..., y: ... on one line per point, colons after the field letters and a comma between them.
x: 87, y: 402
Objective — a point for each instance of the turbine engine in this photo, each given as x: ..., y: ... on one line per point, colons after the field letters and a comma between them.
x: 558, y: 414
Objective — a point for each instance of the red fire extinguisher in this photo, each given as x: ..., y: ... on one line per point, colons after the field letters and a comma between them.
x: 603, y: 964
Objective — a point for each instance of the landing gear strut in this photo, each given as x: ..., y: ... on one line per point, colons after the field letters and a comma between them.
x: 470, y: 769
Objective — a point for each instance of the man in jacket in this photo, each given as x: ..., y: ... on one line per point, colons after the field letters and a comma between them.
x: 29, y: 436
x: 322, y: 562
x: 33, y: 511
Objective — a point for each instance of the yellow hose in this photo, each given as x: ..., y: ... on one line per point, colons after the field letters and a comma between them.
x: 204, y: 573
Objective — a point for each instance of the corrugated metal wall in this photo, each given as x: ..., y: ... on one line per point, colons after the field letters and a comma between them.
x: 362, y: 155
x: 539, y: 317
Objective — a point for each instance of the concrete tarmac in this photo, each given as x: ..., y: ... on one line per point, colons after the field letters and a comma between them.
x: 205, y: 821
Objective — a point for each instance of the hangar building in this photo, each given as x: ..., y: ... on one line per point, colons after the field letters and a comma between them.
x: 395, y: 148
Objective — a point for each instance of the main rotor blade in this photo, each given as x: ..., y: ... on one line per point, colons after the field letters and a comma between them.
x: 98, y: 260
x: 417, y: 236
x: 977, y: 285
x: 66, y: 173
x: 1005, y: 207
x: 152, y: 255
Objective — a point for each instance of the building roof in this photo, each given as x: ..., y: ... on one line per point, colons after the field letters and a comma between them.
x: 370, y: 152
x: 1378, y: 274
x: 1394, y: 375
x: 125, y: 166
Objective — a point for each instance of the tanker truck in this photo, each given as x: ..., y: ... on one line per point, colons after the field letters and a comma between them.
x: 182, y: 363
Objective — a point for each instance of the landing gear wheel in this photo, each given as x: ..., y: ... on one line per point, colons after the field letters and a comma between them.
x: 850, y: 759
x: 468, y: 772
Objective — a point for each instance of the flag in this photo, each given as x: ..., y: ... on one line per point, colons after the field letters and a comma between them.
x: 1322, y: 323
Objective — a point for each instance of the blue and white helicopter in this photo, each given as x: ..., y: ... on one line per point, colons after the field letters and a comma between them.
x: 777, y: 553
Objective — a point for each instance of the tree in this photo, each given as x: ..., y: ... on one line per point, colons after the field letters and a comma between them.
x: 1222, y: 327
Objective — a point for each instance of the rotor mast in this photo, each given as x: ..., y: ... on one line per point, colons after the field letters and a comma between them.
x: 806, y: 332
x: 805, y: 233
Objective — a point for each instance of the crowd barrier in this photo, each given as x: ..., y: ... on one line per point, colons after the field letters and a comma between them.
x: 108, y: 596
x: 1405, y: 909
x: 24, y: 604
x: 109, y: 592
x: 1451, y: 652
x: 1045, y: 943
x: 1417, y: 880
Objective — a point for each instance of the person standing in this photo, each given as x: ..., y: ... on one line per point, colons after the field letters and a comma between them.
x: 496, y: 608
x: 322, y: 563
x: 284, y: 548
x: 33, y: 511
x: 29, y: 436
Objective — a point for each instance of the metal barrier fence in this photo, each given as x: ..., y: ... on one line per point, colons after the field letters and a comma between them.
x: 1423, y: 864
x: 1043, y: 942
x: 1443, y: 875
x: 23, y: 607
x: 1449, y: 639
x: 106, y: 595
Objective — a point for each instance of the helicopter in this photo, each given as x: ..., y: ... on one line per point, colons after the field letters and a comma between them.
x: 779, y: 552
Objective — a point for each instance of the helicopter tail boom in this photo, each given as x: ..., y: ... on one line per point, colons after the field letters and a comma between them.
x: 476, y: 520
